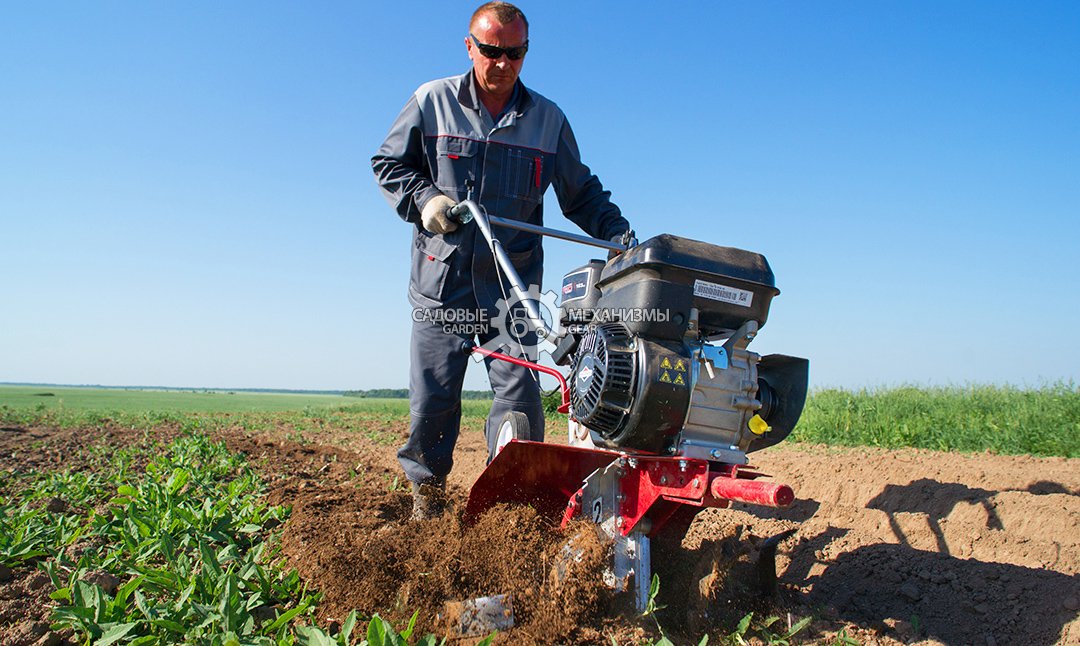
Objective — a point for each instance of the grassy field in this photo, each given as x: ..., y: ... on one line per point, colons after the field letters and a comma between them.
x: 104, y: 400
x: 1042, y: 421
x: 179, y: 401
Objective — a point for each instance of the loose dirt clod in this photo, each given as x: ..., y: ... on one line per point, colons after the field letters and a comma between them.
x: 56, y: 506
x: 106, y: 581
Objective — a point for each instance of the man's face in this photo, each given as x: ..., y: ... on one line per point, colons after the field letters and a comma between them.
x: 496, y: 76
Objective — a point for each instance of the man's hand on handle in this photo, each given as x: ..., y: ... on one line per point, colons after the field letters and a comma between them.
x: 627, y: 238
x: 434, y: 217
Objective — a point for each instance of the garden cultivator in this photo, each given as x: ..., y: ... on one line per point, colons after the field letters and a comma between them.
x: 664, y: 399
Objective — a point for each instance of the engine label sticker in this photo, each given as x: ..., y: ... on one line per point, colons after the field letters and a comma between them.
x: 575, y: 286
x: 716, y: 292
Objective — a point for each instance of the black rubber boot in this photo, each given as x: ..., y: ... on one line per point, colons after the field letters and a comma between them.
x: 429, y: 500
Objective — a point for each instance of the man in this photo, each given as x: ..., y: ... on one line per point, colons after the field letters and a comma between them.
x: 482, y: 136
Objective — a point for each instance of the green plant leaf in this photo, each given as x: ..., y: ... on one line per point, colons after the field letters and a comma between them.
x: 744, y: 624
x: 114, y: 634
x: 799, y: 625
x: 209, y: 558
x: 407, y: 633
x: 376, y: 632
x: 287, y: 616
x: 346, y: 628
x: 169, y: 625
x: 177, y: 480
x: 125, y: 591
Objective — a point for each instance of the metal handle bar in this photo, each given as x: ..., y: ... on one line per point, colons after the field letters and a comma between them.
x: 468, y: 210
x: 461, y: 213
x: 564, y: 407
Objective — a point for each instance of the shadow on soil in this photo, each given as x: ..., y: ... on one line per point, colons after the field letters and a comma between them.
x: 934, y: 499
x: 950, y: 599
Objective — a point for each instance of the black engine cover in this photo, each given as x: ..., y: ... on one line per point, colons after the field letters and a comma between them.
x: 670, y: 275
x: 631, y: 392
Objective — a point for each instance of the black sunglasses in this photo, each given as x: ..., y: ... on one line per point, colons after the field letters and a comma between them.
x: 491, y: 51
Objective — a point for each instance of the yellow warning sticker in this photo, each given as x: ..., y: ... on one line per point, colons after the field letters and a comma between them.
x: 665, y: 377
x: 679, y: 380
x: 665, y: 364
x: 680, y: 366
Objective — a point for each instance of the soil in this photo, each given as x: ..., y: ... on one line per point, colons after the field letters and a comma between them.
x: 891, y: 547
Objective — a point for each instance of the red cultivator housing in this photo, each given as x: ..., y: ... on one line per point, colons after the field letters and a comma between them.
x: 663, y: 397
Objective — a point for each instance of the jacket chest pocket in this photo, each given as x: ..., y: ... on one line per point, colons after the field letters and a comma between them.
x: 455, y: 164
x: 524, y: 174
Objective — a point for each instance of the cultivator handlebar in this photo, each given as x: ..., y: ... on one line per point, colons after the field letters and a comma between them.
x: 564, y: 408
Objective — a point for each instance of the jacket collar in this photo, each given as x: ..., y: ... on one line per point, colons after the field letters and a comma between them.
x: 466, y: 94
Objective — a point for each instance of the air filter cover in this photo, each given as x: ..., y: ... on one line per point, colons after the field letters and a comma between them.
x: 728, y: 286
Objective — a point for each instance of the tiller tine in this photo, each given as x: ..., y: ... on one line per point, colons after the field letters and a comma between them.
x: 766, y: 562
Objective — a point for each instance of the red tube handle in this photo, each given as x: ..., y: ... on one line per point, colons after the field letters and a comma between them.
x: 771, y: 494
x: 564, y: 408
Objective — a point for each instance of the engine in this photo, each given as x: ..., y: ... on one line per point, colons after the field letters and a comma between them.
x: 657, y: 346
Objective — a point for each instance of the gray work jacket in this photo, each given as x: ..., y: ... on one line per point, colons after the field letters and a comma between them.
x: 445, y: 141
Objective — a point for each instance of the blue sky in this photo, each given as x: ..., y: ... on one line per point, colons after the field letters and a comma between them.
x: 186, y: 197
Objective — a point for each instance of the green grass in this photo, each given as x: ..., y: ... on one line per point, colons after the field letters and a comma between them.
x: 180, y: 401
x: 115, y: 400
x: 1043, y: 421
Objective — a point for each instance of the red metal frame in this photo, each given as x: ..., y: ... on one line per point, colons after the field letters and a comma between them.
x: 539, y: 474
x: 550, y: 477
x: 502, y: 356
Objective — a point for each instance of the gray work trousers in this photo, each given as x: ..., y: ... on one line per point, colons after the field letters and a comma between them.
x: 436, y: 372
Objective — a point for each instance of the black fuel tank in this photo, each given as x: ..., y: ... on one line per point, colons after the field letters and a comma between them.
x: 669, y: 274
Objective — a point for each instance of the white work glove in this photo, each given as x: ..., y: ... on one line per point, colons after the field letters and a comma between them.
x: 434, y: 217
